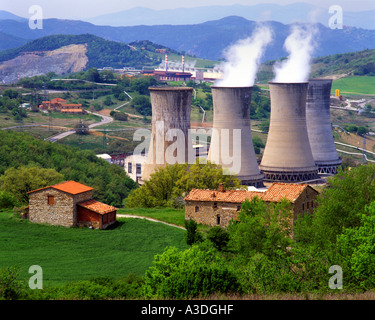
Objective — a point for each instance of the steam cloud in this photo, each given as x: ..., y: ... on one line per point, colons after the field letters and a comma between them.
x: 243, y: 59
x: 300, y: 45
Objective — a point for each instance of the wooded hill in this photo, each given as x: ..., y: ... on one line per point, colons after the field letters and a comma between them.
x: 100, y: 52
x: 110, y: 182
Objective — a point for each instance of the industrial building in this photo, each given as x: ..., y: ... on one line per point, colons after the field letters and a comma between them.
x: 170, y: 137
x: 60, y: 105
x: 319, y: 127
x: 287, y: 156
x: 231, y: 116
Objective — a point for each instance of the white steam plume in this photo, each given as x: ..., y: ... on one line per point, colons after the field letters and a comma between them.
x: 300, y: 45
x: 243, y: 59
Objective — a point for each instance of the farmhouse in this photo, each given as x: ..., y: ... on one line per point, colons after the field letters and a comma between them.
x: 219, y: 207
x: 69, y: 204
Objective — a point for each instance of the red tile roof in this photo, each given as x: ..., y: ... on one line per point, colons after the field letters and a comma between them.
x: 71, y: 187
x: 97, y: 206
x: 276, y: 192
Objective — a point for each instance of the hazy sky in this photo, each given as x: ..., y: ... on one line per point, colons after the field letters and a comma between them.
x: 81, y: 9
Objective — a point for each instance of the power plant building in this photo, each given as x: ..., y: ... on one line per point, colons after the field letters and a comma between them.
x: 287, y: 156
x: 231, y: 141
x: 170, y: 137
x: 319, y: 127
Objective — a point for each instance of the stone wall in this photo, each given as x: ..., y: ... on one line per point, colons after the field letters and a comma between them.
x: 62, y: 212
x: 220, y: 213
x: 211, y: 213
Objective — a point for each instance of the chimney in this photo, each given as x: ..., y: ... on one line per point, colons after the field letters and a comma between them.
x: 232, y: 115
x: 287, y: 156
x: 170, y: 111
x: 221, y: 187
x: 319, y: 127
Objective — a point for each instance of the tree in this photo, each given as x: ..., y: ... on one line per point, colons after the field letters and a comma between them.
x: 174, y: 181
x: 142, y: 104
x: 356, y: 249
x: 7, y: 201
x: 17, y: 182
x: 342, y: 203
x: 219, y: 237
x: 192, y: 236
x: 262, y: 228
x: 82, y: 128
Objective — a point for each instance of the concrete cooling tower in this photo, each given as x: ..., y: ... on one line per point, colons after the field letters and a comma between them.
x: 319, y: 128
x: 231, y: 142
x: 170, y: 137
x: 287, y: 156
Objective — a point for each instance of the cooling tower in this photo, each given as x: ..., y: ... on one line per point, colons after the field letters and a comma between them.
x: 319, y: 128
x: 287, y: 156
x: 170, y: 137
x: 231, y: 142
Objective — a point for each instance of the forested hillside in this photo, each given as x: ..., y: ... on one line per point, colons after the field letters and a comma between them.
x: 110, y: 182
x: 100, y: 52
x: 361, y: 63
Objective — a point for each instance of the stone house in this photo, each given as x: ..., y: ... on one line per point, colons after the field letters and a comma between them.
x: 69, y: 204
x: 219, y: 207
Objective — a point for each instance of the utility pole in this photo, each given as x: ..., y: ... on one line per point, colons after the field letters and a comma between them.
x: 364, y: 148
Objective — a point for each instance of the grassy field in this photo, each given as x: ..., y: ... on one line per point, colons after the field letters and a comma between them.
x: 355, y: 85
x: 72, y: 254
x: 169, y: 215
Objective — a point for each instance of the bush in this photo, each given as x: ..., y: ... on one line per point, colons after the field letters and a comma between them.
x: 195, y: 272
x: 219, y: 237
x: 7, y: 201
x: 192, y: 236
x: 10, y: 286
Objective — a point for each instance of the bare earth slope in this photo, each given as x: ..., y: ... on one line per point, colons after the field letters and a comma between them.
x: 66, y: 59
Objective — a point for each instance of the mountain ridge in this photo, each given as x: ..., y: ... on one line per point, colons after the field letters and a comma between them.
x: 206, y: 40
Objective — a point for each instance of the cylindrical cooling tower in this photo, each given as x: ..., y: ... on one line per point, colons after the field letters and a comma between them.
x: 170, y: 137
x: 287, y: 156
x: 319, y: 128
x: 231, y: 142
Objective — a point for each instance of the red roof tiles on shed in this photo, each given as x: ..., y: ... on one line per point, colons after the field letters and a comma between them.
x: 97, y: 206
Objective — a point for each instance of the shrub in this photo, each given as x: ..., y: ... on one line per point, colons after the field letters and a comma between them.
x: 195, y: 272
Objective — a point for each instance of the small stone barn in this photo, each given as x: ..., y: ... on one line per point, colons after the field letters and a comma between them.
x: 69, y: 204
x: 219, y: 207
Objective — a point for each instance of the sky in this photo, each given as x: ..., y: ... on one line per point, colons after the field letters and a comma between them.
x: 84, y: 9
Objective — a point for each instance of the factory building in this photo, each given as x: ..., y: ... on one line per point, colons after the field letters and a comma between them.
x: 170, y: 136
x: 231, y: 142
x: 287, y: 156
x: 319, y: 126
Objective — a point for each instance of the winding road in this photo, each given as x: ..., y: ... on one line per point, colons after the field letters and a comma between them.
x: 59, y: 136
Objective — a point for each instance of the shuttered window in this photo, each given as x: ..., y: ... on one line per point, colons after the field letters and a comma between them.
x: 51, y: 200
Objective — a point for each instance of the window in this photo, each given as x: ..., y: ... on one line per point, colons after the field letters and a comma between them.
x: 196, y: 209
x: 218, y: 220
x: 307, y: 205
x: 214, y: 205
x: 130, y: 167
x: 138, y: 168
x: 238, y: 208
x: 303, y: 207
x: 51, y: 200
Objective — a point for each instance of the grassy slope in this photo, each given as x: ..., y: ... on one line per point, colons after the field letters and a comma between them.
x: 72, y: 254
x: 355, y: 85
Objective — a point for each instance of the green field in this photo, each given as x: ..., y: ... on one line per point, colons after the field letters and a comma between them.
x: 355, y: 85
x: 73, y: 254
x: 169, y: 215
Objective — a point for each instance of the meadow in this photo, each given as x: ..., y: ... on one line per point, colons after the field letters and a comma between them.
x: 357, y: 85
x: 74, y: 254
